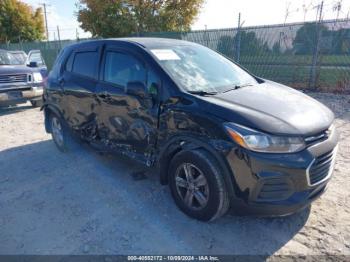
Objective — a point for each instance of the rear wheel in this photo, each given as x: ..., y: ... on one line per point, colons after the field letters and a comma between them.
x: 197, y: 185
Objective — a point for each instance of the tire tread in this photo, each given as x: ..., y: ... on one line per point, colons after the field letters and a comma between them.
x: 216, y: 170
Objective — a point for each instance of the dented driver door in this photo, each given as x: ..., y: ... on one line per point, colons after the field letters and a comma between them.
x: 126, y: 122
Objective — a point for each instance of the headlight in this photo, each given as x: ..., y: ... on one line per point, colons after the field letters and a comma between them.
x: 260, y: 142
x: 37, y: 77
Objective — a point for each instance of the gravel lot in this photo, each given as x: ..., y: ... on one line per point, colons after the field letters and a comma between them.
x: 86, y: 203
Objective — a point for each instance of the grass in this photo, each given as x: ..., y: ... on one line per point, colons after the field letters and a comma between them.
x: 331, y: 60
x: 329, y: 78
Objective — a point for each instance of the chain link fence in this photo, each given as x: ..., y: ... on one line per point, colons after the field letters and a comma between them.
x: 49, y: 50
x: 303, y: 55
x: 313, y: 55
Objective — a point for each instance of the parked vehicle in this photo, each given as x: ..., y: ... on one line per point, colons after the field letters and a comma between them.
x: 21, y: 77
x: 220, y: 136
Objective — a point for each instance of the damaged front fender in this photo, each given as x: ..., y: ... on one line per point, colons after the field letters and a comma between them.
x: 217, y: 148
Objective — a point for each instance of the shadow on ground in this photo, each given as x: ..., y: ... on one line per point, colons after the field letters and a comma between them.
x: 7, y: 110
x: 85, y: 203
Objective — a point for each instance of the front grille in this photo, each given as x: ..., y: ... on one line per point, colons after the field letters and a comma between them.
x: 321, y: 168
x: 275, y: 189
x: 13, y: 78
x: 319, y: 137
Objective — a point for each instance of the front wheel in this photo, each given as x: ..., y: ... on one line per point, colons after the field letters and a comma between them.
x: 60, y: 134
x: 197, y: 185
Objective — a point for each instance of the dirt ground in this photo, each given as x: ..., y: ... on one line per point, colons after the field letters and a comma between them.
x: 85, y: 203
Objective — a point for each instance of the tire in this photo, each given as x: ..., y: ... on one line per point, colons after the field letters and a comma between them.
x: 60, y: 134
x: 205, y: 197
x: 36, y: 103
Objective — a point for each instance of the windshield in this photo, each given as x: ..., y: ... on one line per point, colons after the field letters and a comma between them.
x: 199, y: 69
x: 7, y: 58
x: 21, y: 57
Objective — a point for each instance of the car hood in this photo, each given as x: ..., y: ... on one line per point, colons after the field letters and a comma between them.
x: 16, y: 69
x: 272, y: 108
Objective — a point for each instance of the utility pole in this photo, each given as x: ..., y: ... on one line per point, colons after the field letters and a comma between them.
x: 206, y: 36
x: 7, y: 42
x: 46, y: 26
x: 238, y: 43
x: 321, y: 12
x: 313, y: 71
x: 59, y: 36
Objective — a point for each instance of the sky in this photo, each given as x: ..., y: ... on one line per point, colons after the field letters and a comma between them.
x: 214, y: 14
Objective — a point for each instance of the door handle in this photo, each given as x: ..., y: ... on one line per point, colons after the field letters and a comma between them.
x: 61, y: 84
x: 61, y: 81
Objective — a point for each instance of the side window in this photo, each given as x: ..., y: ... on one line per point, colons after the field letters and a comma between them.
x: 69, y: 64
x: 85, y: 64
x: 35, y: 56
x: 123, y: 68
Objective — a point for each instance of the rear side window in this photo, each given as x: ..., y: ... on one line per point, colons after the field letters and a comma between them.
x: 123, y: 68
x: 58, y: 63
x: 85, y: 64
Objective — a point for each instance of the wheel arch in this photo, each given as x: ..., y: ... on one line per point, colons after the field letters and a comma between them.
x: 49, y: 109
x: 181, y: 143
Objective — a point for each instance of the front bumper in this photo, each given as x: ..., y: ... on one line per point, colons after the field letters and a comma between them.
x: 18, y: 95
x: 281, y: 184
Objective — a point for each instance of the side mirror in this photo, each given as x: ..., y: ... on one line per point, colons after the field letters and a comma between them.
x: 136, y: 89
x: 33, y: 64
x: 154, y: 90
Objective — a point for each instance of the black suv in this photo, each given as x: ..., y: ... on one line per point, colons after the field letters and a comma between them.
x: 220, y: 136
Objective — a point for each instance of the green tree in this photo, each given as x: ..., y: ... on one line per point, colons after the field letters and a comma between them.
x: 249, y: 45
x: 115, y: 18
x: 340, y: 41
x: 306, y: 37
x: 226, y: 46
x: 276, y: 48
x: 20, y: 22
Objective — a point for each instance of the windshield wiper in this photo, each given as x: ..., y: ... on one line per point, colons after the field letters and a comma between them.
x: 202, y: 93
x: 236, y: 87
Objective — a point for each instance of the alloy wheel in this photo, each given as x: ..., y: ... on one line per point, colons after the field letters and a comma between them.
x: 57, y: 131
x: 192, y: 186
